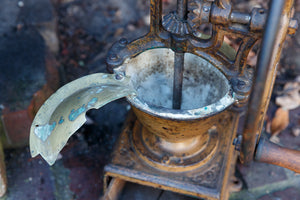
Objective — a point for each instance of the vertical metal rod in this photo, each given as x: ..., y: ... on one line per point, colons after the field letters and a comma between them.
x: 181, y: 9
x: 274, y: 35
x: 155, y: 15
x: 178, y: 78
x: 179, y: 60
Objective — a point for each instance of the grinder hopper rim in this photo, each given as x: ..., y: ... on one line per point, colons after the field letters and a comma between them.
x: 136, y: 67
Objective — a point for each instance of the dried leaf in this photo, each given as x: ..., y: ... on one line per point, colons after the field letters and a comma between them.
x: 119, y: 32
x: 296, y: 131
x: 252, y: 58
x: 275, y: 139
x: 280, y: 121
x: 291, y: 96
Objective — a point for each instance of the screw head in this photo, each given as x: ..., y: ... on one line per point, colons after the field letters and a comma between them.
x: 113, y: 57
x: 119, y: 76
x: 205, y: 9
x: 241, y: 84
x: 123, y: 41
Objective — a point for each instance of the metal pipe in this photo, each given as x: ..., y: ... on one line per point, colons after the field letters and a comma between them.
x: 178, y: 78
x: 179, y: 60
x: 155, y: 15
x: 181, y: 9
x: 238, y: 17
x: 274, y: 35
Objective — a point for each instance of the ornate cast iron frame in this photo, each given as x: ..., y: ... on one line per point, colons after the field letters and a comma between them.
x: 179, y: 31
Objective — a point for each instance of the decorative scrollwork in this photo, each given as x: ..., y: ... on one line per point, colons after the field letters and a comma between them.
x: 172, y: 24
x: 199, y: 12
x: 208, y: 178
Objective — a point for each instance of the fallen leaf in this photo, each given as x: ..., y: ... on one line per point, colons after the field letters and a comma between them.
x: 235, y: 184
x: 291, y: 96
x: 252, y: 58
x: 119, y: 32
x: 296, y: 131
x: 275, y: 139
x: 280, y: 121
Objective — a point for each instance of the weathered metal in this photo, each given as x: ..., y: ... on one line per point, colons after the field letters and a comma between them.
x: 150, y: 146
x: 274, y: 36
x: 175, y: 140
x: 178, y: 79
x: 271, y: 153
x: 209, y: 179
x: 168, y: 148
x: 64, y: 112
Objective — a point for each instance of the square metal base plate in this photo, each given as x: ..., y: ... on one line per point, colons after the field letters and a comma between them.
x: 209, y: 181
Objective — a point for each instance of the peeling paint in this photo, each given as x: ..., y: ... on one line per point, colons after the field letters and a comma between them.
x: 75, y: 113
x: 99, y: 90
x: 61, y: 120
x: 43, y: 132
x: 91, y: 102
x: 67, y: 107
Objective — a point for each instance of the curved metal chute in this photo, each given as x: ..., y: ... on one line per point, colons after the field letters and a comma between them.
x: 64, y: 112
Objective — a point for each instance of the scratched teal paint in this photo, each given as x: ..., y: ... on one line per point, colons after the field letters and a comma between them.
x: 197, y: 113
x: 43, y: 132
x: 92, y: 102
x: 61, y: 120
x: 75, y: 113
x: 99, y: 90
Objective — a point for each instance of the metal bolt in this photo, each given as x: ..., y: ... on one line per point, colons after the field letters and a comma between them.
x: 113, y: 57
x: 241, y: 84
x: 123, y: 41
x: 119, y: 76
x: 166, y: 159
x: 205, y: 9
x: 237, y: 142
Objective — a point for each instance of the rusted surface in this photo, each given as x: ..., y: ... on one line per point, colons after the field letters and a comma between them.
x: 271, y: 153
x: 176, y: 131
x: 148, y: 151
x: 152, y: 149
x: 265, y: 76
x: 208, y: 180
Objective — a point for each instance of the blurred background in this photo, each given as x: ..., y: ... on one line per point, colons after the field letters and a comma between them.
x: 46, y: 43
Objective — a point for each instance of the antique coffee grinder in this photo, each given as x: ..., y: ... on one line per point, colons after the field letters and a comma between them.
x: 190, y: 89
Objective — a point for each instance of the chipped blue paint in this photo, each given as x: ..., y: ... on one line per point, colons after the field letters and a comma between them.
x: 43, y: 132
x: 92, y: 102
x: 75, y: 113
x: 61, y: 120
x: 197, y: 113
x: 99, y: 90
